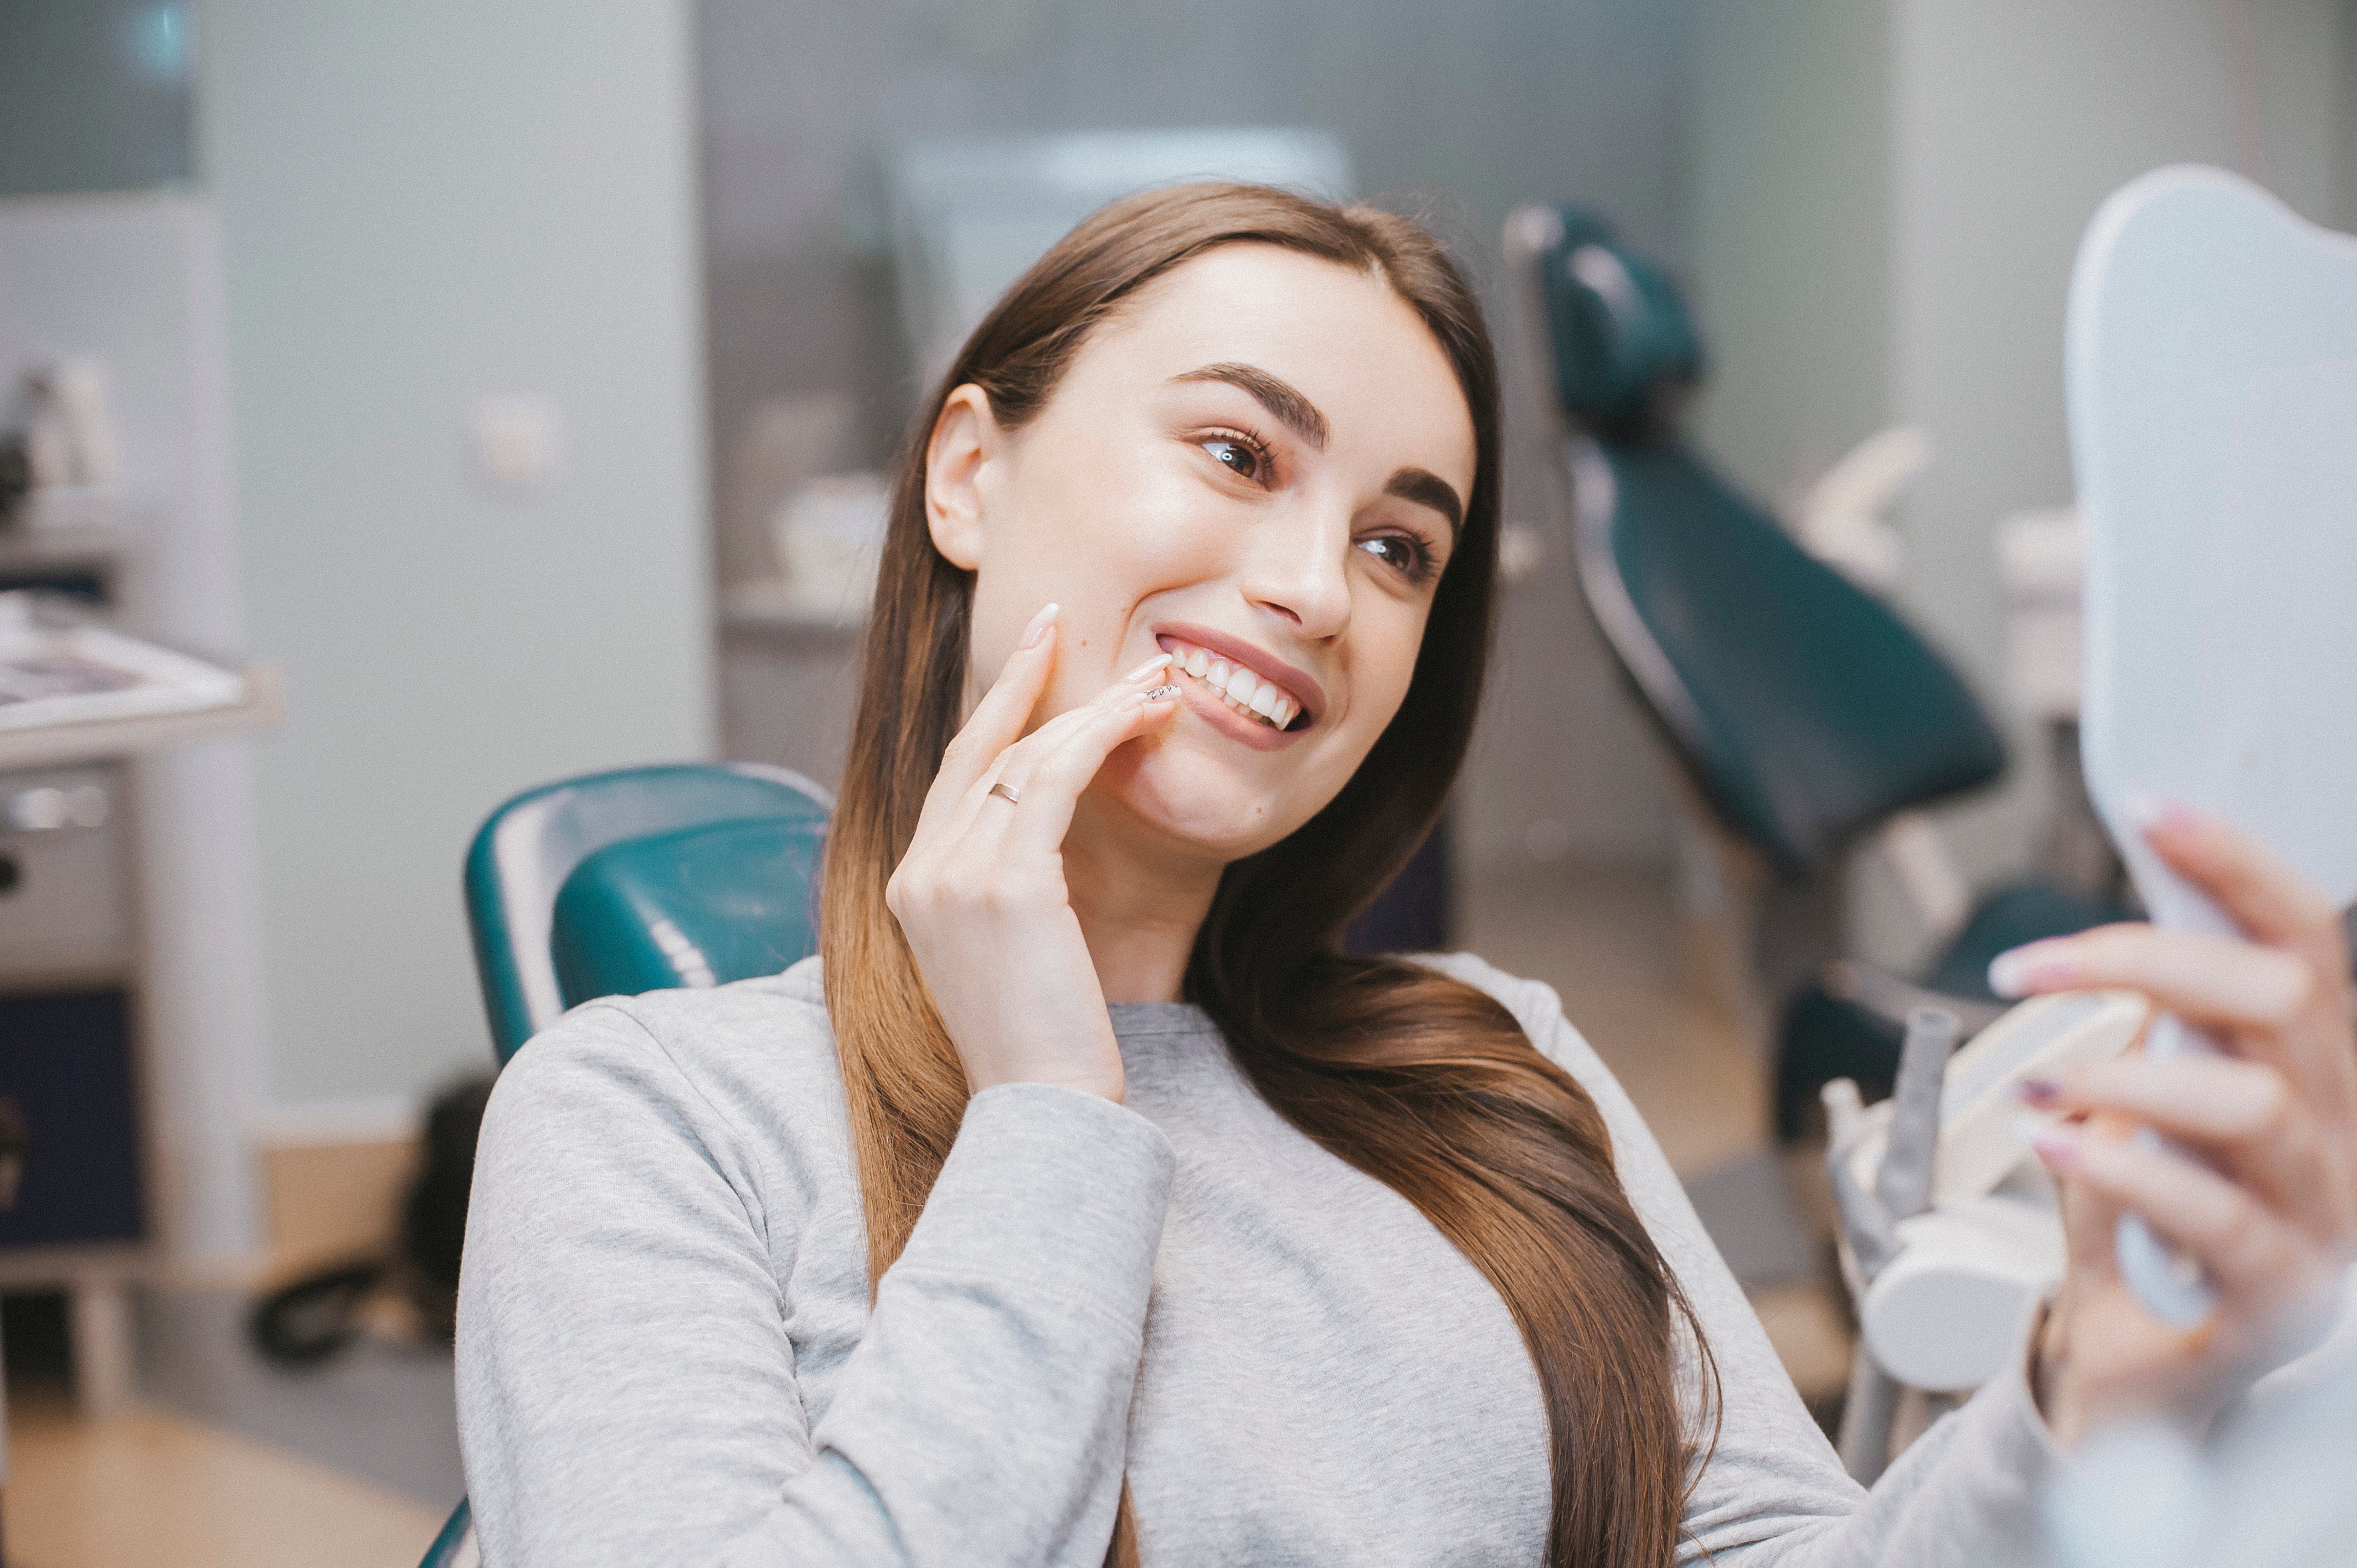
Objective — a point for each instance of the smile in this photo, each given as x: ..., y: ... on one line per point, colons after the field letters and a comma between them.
x: 1239, y: 685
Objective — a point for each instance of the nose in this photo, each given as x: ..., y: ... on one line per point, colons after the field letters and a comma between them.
x: 1301, y: 574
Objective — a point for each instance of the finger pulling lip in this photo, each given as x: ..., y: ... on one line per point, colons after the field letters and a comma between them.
x: 1293, y: 681
x: 1201, y: 702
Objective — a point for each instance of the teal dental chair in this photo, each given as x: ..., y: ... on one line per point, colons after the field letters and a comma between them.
x: 642, y: 879
x: 1806, y: 714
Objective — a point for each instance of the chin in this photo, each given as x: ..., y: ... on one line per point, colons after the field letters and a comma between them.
x: 1176, y: 790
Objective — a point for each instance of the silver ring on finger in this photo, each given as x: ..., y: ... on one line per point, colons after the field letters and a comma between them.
x: 1007, y: 792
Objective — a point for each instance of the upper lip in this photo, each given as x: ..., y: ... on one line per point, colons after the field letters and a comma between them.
x: 1298, y: 683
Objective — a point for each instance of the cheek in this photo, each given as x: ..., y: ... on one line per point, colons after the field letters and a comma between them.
x: 1385, y: 636
x: 1115, y: 528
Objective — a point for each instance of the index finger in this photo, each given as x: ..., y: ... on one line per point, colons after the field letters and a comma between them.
x: 2265, y: 896
x: 997, y: 722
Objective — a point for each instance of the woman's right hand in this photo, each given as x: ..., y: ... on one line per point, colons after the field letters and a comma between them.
x: 981, y: 893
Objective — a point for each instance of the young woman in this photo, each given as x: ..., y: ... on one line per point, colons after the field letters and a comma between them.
x: 1087, y: 1205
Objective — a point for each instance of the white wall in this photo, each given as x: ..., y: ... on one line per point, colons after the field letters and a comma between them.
x: 422, y: 205
x: 1946, y: 158
x: 1789, y: 191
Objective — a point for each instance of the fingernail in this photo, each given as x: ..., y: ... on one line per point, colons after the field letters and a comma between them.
x: 1159, y: 694
x: 1038, y: 627
x: 2038, y: 1090
x: 2150, y: 814
x: 1148, y: 668
x: 2026, y: 969
x: 2058, y: 1148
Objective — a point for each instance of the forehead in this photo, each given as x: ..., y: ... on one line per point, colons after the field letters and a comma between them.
x: 1342, y: 335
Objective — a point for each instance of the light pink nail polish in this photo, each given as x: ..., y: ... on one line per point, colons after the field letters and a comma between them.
x: 1148, y: 668
x: 1038, y: 627
x: 1161, y: 695
x: 2007, y: 973
x: 2060, y: 1150
x: 2027, y: 970
x: 2150, y: 814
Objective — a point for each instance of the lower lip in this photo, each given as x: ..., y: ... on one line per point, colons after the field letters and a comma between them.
x: 1227, y: 721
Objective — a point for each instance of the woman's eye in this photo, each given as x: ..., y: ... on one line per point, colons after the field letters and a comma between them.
x: 1404, y: 554
x: 1236, y: 456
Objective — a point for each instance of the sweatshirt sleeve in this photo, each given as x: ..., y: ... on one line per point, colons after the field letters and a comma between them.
x: 1772, y: 1493
x: 626, y: 1388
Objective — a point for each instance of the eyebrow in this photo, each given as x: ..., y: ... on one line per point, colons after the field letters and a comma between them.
x: 1280, y: 397
x: 1427, y: 488
x: 1297, y: 414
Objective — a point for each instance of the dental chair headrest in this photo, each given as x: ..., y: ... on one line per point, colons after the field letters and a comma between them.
x: 1620, y: 330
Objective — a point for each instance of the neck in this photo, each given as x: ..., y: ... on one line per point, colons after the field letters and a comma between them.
x: 1139, y: 905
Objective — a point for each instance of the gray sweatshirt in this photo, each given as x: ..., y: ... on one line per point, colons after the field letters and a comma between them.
x: 667, y: 1352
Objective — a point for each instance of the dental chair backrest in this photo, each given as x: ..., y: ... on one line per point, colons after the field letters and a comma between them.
x: 1802, y: 708
x: 639, y: 880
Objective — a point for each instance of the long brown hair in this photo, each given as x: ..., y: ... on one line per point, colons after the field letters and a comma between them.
x: 1421, y: 1081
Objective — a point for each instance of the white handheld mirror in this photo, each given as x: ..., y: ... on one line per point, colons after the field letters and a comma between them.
x: 2212, y: 361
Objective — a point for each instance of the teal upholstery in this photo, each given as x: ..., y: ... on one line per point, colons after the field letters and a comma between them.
x: 2024, y: 912
x: 525, y: 851
x: 1807, y: 710
x: 1617, y: 330
x: 699, y: 906
x: 641, y: 879
x: 454, y: 1546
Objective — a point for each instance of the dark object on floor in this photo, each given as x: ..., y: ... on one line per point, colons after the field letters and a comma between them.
x: 433, y: 1221
x: 318, y: 1317
x: 1806, y: 711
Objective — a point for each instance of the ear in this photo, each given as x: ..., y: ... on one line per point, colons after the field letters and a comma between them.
x: 965, y: 440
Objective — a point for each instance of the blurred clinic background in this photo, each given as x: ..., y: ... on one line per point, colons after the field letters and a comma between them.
x: 425, y: 403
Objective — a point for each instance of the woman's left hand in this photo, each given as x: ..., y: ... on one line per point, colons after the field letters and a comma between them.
x: 2265, y: 1196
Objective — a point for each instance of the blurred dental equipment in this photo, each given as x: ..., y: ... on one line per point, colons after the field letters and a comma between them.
x: 1949, y: 1234
x: 2042, y: 564
x: 1843, y: 520
x: 2212, y: 358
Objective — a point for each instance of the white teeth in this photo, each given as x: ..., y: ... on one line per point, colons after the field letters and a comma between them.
x: 1236, y: 685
